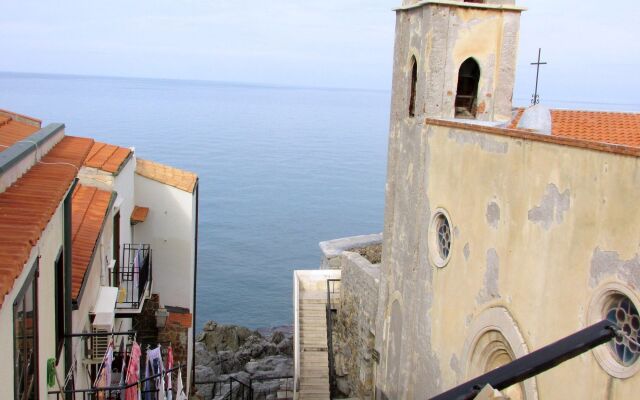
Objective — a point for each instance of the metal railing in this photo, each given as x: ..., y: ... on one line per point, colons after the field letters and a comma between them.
x: 134, y: 277
x: 256, y: 389
x: 333, y: 288
x: 231, y: 388
x: 281, y: 387
x: 115, y: 392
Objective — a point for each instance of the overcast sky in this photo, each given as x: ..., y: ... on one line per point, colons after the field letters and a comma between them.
x: 592, y: 46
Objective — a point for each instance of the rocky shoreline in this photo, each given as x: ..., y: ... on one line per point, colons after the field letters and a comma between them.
x: 263, y: 356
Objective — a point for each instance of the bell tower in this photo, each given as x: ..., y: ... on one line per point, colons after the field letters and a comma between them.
x: 455, y: 59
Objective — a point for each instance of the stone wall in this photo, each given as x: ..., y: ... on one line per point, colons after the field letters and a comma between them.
x: 332, y: 249
x: 354, y: 329
x: 175, y: 332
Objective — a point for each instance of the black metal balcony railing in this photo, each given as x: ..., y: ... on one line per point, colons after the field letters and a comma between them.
x: 115, y: 392
x: 134, y: 276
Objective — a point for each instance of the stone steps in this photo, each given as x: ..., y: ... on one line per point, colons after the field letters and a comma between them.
x: 314, y: 359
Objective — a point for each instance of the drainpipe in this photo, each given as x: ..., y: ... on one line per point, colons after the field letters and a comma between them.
x: 195, y: 280
x: 68, y: 354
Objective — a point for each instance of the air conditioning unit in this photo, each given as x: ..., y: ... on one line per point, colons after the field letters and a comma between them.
x: 99, y: 344
x: 103, y: 322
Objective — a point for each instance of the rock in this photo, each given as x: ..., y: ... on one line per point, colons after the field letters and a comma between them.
x: 224, y: 351
x: 277, y: 337
x: 286, y: 347
x: 225, y: 337
x: 343, y: 386
x: 203, y: 357
x: 210, y: 326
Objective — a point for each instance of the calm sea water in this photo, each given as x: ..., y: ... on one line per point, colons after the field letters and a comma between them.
x: 280, y: 170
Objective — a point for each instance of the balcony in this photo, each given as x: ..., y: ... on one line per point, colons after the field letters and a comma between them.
x: 133, y: 278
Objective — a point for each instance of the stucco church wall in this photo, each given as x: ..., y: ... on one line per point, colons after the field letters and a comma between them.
x: 538, y: 228
x: 354, y: 330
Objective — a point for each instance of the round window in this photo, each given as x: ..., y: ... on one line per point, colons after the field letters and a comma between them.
x: 619, y: 304
x: 625, y: 347
x: 441, y: 238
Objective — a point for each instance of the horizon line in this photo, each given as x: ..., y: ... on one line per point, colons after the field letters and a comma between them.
x: 207, y: 81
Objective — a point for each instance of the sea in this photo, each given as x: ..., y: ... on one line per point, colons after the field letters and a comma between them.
x: 280, y: 168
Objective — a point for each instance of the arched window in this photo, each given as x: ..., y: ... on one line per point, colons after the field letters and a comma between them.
x: 467, y: 92
x: 414, y: 81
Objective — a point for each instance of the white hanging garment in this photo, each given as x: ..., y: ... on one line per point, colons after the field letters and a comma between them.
x: 161, y: 392
x: 180, y: 389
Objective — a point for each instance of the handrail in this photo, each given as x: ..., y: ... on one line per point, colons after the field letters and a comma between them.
x: 250, y: 389
x: 536, y: 362
x: 332, y: 366
x: 216, y: 390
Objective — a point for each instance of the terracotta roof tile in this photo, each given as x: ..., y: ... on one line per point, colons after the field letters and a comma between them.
x: 604, y: 127
x: 178, y: 178
x: 12, y: 131
x: 26, y: 207
x: 107, y: 157
x: 184, y: 320
x: 593, y: 126
x: 139, y: 214
x: 90, y: 209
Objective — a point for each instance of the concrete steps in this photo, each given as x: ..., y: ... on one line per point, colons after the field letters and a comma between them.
x: 314, y: 358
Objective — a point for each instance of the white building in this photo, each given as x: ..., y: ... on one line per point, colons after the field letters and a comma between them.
x: 92, y: 241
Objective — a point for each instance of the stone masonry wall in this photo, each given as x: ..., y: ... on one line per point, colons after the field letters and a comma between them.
x: 354, y: 330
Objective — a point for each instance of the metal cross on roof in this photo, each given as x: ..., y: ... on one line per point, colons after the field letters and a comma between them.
x: 535, y: 99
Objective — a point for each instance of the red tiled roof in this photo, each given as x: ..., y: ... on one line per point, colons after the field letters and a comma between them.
x: 12, y: 131
x: 90, y: 209
x: 107, y: 157
x: 178, y: 178
x: 184, y: 320
x: 593, y: 126
x: 26, y: 207
x: 139, y: 214
x: 604, y: 127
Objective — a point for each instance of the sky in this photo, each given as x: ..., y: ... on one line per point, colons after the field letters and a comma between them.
x: 591, y: 46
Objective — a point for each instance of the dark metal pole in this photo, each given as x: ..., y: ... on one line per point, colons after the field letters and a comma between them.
x: 535, y: 94
x: 195, y: 298
x: 68, y: 298
x: 535, y: 363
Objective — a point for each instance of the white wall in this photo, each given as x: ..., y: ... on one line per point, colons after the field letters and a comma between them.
x: 48, y: 247
x: 123, y: 185
x: 170, y: 229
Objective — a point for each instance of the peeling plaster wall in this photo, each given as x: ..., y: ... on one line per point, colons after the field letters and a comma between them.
x: 540, y: 227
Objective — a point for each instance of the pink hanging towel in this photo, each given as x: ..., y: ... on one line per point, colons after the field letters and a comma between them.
x: 169, y: 367
x: 133, y: 372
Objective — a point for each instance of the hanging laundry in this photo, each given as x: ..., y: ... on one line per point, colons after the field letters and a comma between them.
x: 160, y: 388
x: 104, y: 372
x: 153, y: 367
x: 133, y: 373
x: 123, y: 371
x: 180, y: 395
x: 169, y: 368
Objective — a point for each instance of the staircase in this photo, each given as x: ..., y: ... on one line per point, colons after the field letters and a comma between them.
x: 314, y: 363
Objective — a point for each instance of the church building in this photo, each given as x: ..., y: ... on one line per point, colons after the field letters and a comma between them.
x: 505, y: 229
